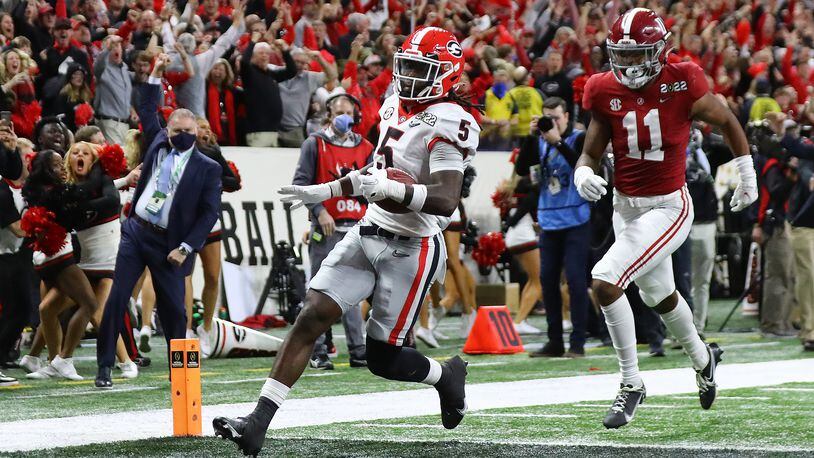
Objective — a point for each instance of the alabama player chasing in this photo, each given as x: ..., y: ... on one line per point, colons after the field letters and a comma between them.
x: 394, y: 257
x: 645, y: 107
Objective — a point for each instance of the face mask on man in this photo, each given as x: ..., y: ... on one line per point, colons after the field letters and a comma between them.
x: 182, y: 141
x: 499, y: 89
x: 343, y: 123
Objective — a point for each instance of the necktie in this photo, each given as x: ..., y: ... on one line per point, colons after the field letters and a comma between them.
x: 164, y: 177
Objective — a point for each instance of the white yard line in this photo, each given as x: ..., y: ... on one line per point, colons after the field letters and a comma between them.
x: 521, y: 415
x: 85, y: 393
x: 643, y: 406
x: 367, y: 407
x: 805, y: 390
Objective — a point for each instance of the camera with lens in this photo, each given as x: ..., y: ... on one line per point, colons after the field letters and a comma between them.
x: 764, y: 141
x: 287, y: 281
x: 545, y: 123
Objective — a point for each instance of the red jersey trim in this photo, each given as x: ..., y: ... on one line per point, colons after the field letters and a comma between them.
x: 664, y: 239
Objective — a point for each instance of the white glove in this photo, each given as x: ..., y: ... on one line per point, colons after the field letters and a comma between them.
x: 301, y: 195
x: 375, y: 186
x: 746, y: 191
x: 590, y: 186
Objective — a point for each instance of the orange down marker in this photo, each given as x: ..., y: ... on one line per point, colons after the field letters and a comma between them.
x: 185, y: 370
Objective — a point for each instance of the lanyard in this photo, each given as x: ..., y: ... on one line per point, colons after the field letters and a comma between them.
x: 177, y: 170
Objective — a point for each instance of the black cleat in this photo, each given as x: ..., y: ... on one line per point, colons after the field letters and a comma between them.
x: 656, y: 349
x: 103, y: 379
x: 321, y: 362
x: 707, y: 388
x: 142, y: 361
x: 243, y: 431
x: 357, y: 362
x: 624, y: 407
x: 549, y: 350
x: 452, y: 393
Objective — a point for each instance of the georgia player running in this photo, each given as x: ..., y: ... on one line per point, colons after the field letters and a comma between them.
x: 393, y: 257
x: 645, y: 107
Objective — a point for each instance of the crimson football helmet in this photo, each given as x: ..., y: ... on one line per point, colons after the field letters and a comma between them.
x: 427, y: 65
x: 638, y: 44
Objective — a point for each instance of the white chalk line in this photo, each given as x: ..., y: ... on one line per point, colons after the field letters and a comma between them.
x: 134, y: 425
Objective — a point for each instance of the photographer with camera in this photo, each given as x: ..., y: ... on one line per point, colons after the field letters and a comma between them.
x: 564, y: 218
x: 801, y: 216
x: 777, y: 174
x: 325, y: 156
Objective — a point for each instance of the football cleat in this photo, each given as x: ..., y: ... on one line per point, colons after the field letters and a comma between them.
x: 707, y: 388
x: 243, y: 431
x: 452, y: 393
x: 624, y: 406
x: 321, y: 362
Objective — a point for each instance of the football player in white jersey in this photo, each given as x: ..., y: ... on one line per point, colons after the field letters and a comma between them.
x: 394, y: 257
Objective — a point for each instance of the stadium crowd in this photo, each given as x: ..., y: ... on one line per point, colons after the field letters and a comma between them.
x: 259, y: 73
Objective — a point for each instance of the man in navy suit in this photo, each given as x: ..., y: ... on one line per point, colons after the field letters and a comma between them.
x: 161, y: 232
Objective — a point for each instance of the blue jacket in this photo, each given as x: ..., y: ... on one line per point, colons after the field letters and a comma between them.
x: 561, y: 206
x: 191, y: 217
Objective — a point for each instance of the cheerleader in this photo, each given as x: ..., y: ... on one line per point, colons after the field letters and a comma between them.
x: 210, y: 253
x: 46, y: 187
x: 521, y: 238
x: 99, y: 231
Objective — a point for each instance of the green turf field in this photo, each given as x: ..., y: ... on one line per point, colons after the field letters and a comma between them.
x: 744, y: 422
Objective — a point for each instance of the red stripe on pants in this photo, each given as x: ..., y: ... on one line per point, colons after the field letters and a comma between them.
x: 674, y: 228
x: 408, y: 304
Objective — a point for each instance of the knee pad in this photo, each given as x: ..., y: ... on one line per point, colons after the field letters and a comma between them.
x: 655, y: 295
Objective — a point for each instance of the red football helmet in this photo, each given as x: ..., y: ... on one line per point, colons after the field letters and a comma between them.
x: 428, y: 64
x: 637, y: 47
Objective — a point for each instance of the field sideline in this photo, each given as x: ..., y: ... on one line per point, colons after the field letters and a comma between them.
x: 519, y: 406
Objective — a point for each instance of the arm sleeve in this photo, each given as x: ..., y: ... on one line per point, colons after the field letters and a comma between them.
x: 8, y: 212
x: 571, y: 155
x: 289, y: 71
x: 445, y: 156
x: 207, y: 59
x: 100, y: 63
x: 588, y: 94
x: 798, y: 148
x: 208, y: 208
x: 11, y: 166
x: 460, y: 131
x: 697, y: 85
x: 528, y: 157
x: 108, y: 202
x: 147, y: 110
x: 306, y: 171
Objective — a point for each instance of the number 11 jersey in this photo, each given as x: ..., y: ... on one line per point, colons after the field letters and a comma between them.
x: 650, y: 126
x: 406, y: 140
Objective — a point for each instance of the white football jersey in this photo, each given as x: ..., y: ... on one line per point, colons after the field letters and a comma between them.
x: 404, y: 143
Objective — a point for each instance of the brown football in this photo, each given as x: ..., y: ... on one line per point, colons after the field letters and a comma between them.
x: 402, y: 177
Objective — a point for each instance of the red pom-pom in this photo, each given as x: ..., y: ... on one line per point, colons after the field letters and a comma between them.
x: 82, y: 114
x: 235, y: 172
x: 113, y: 161
x: 490, y: 246
x: 40, y: 225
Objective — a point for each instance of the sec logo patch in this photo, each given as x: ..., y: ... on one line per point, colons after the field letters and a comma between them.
x: 388, y: 113
x: 615, y: 104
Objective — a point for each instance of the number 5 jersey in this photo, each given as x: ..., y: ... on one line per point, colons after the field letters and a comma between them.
x: 406, y: 140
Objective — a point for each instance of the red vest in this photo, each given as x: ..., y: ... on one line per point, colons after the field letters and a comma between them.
x: 334, y: 162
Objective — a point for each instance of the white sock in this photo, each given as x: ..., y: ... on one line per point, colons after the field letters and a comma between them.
x: 679, y: 323
x: 435, y: 372
x: 274, y: 391
x: 622, y: 329
x: 146, y: 331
